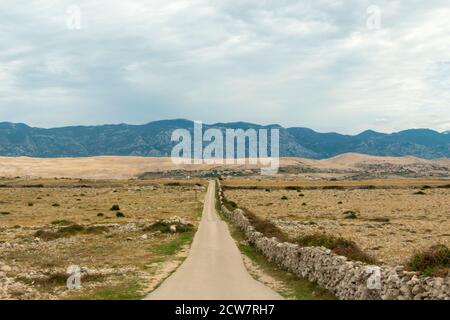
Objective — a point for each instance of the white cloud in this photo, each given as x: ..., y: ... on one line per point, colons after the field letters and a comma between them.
x: 309, y: 63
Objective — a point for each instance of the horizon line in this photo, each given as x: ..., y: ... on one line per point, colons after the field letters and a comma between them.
x: 218, y: 123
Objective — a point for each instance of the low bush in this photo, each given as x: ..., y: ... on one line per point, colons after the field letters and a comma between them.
x: 164, y: 227
x: 337, y: 245
x: 61, y: 222
x: 115, y: 207
x: 266, y: 227
x: 349, y: 214
x: 380, y: 219
x: 68, y: 231
x: 434, y: 261
x: 230, y: 205
x: 60, y: 233
x: 173, y: 184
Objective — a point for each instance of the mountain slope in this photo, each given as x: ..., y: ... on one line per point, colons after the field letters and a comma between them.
x: 153, y: 139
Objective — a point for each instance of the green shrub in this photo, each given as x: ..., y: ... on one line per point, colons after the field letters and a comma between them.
x: 339, y: 246
x: 379, y: 219
x: 60, y: 233
x: 61, y: 222
x: 120, y: 215
x: 284, y: 198
x: 164, y: 227
x: 265, y: 227
x: 173, y: 184
x: 349, y: 214
x: 434, y: 261
x: 230, y: 205
x: 115, y: 207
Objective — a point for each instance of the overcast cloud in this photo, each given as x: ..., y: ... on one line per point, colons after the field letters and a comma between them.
x: 298, y: 63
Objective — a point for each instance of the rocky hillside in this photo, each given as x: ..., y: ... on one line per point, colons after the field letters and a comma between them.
x: 153, y: 139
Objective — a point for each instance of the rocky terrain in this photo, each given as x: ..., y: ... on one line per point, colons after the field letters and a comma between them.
x: 389, y: 219
x: 347, y: 279
x: 123, y: 250
x: 343, y: 167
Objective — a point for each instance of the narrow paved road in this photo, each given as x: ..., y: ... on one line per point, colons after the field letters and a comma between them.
x: 214, y: 268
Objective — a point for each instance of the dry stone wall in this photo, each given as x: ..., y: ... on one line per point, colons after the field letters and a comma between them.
x: 348, y: 280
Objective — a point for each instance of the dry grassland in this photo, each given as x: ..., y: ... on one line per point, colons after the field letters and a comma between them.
x: 47, y: 225
x: 391, y: 221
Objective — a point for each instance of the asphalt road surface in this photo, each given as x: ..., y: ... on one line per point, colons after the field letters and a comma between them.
x: 214, y: 268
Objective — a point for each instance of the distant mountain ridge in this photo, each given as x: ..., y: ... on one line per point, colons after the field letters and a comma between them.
x: 153, y: 139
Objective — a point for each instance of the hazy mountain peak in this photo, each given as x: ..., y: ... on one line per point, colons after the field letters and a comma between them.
x: 153, y: 139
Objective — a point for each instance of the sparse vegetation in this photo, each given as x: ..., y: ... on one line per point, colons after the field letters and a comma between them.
x: 380, y: 219
x: 115, y: 207
x: 61, y: 222
x: 434, y: 261
x: 337, y: 245
x: 349, y: 214
x: 127, y: 290
x: 164, y: 227
x: 389, y: 217
x: 120, y: 214
x: 72, y: 234
x: 265, y: 227
x: 171, y: 247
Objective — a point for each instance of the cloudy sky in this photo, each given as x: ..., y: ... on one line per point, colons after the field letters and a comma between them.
x: 331, y: 65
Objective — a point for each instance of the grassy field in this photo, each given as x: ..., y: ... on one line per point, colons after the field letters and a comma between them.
x: 104, y: 227
x: 388, y: 219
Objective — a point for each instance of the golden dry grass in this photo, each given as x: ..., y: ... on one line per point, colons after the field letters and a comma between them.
x: 81, y: 202
x: 392, y: 221
x: 124, y: 167
x: 118, y: 255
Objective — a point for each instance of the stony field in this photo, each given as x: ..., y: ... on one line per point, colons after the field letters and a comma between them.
x: 389, y: 219
x: 125, y: 235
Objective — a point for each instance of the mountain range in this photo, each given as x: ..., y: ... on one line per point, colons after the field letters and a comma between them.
x: 153, y: 139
